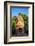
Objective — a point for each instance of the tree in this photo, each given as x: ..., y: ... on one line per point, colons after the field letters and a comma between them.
x: 13, y: 24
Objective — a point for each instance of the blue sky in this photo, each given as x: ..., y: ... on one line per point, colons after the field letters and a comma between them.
x: 16, y: 11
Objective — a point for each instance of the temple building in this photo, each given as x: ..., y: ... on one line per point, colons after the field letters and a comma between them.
x: 19, y: 22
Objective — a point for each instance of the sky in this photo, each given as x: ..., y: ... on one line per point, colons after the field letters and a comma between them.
x: 16, y: 11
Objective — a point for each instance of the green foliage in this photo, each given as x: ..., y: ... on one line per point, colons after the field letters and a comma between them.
x: 13, y: 24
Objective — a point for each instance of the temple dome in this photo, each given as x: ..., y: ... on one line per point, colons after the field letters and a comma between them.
x: 20, y: 22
